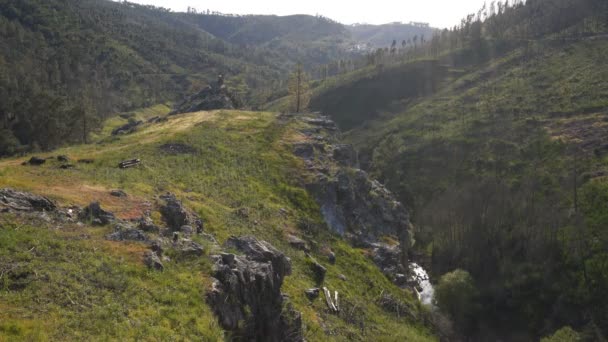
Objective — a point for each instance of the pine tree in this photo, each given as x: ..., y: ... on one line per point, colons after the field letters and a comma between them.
x: 299, y: 89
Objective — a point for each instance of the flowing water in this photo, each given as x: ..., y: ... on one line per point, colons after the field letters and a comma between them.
x: 425, y: 290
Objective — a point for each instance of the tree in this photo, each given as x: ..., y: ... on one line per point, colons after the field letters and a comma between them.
x: 299, y: 89
x: 456, y: 295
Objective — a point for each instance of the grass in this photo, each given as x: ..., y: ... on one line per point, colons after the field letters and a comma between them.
x: 242, y: 160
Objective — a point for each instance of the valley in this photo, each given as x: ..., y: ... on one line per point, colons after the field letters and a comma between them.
x: 218, y: 177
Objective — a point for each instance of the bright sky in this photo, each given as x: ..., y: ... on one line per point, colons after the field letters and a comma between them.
x: 439, y: 13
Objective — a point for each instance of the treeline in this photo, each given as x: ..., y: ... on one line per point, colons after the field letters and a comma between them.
x: 497, y: 27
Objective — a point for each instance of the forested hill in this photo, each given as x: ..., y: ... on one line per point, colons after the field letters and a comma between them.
x: 67, y: 64
x: 494, y: 134
x: 380, y: 36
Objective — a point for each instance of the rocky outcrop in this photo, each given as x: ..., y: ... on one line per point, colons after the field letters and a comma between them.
x: 210, y: 98
x: 13, y: 200
x: 352, y: 203
x: 152, y: 260
x: 94, y: 214
x: 246, y: 295
x: 125, y: 232
x: 175, y: 214
x: 127, y: 128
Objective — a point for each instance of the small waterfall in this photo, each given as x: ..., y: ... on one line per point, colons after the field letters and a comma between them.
x: 424, y: 289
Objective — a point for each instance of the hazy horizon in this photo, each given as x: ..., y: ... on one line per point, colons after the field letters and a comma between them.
x: 438, y: 13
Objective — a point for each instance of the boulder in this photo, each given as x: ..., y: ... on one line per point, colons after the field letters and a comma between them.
x: 36, y: 161
x: 157, y: 247
x: 297, y: 243
x: 175, y: 214
x: 318, y: 270
x: 246, y: 295
x: 13, y: 200
x: 331, y: 257
x: 146, y: 224
x: 153, y: 261
x: 312, y: 293
x: 397, y: 307
x: 94, y: 214
x: 186, y: 248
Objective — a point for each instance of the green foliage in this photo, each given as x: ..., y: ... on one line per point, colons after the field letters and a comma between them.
x: 565, y: 334
x: 457, y: 296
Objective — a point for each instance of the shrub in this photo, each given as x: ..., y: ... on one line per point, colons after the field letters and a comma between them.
x: 456, y: 295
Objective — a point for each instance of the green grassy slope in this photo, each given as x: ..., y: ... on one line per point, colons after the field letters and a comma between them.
x: 67, y: 282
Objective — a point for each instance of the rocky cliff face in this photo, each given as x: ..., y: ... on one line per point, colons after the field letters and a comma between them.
x: 352, y: 203
x: 246, y: 295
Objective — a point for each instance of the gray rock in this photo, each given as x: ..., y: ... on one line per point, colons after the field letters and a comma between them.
x: 318, y: 270
x: 118, y: 193
x: 146, y: 224
x: 36, y: 161
x: 331, y: 257
x: 216, y: 97
x: 123, y: 232
x: 304, y: 150
x: 345, y: 155
x: 297, y: 243
x: 157, y: 247
x: 312, y: 293
x: 127, y: 128
x: 342, y: 277
x: 396, y: 307
x: 246, y: 295
x: 94, y: 214
x: 390, y: 260
x: 13, y: 200
x: 174, y: 213
x: 186, y: 248
x: 152, y: 261
x: 187, y: 230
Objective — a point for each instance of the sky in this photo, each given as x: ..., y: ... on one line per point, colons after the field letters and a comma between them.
x: 439, y: 13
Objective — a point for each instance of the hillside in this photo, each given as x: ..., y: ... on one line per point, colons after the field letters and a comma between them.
x: 64, y: 278
x: 381, y: 36
x: 82, y: 61
x: 502, y: 163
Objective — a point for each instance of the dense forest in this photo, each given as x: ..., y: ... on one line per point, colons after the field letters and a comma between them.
x: 492, y: 133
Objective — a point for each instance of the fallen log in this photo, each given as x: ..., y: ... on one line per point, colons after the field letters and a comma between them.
x: 337, y: 303
x: 129, y: 163
x: 328, y: 300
